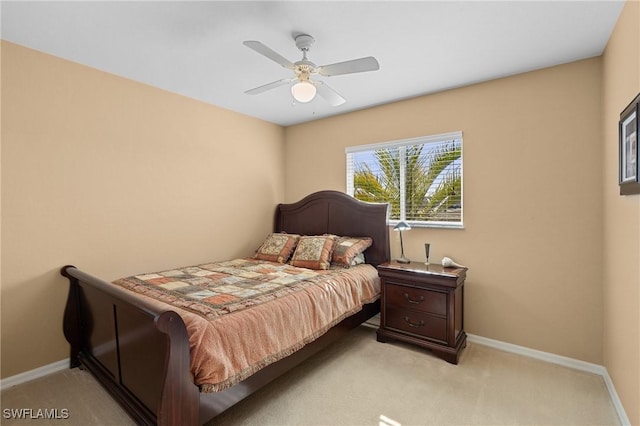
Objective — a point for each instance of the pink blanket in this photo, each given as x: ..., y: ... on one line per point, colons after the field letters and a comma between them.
x: 245, y: 314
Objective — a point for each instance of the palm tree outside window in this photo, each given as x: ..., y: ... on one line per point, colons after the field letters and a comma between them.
x: 420, y: 178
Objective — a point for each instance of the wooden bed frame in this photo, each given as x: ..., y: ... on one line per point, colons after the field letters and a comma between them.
x: 141, y: 355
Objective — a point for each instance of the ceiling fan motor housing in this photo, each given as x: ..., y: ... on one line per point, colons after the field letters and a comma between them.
x: 305, y: 68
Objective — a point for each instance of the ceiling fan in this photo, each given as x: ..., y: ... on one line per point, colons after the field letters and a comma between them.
x: 305, y: 89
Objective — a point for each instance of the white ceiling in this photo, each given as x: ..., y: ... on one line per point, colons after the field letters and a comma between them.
x: 195, y: 48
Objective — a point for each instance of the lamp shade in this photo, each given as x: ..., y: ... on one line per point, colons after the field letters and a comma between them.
x: 402, y: 226
x: 303, y: 91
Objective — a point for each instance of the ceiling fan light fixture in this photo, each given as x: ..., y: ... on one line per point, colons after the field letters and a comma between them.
x: 303, y: 91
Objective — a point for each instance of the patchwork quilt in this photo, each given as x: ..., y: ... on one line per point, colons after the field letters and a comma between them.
x: 289, y: 307
x: 218, y: 288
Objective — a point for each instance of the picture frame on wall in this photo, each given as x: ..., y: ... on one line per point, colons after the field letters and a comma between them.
x: 629, y: 176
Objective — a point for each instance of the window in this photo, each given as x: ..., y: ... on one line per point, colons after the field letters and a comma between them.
x: 420, y: 178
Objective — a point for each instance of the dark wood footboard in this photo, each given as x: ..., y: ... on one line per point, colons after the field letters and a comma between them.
x: 139, y: 355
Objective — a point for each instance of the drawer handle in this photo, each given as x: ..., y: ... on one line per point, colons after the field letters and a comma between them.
x: 410, y: 300
x: 420, y: 324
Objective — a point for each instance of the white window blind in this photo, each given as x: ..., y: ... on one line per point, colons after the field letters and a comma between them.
x: 420, y: 178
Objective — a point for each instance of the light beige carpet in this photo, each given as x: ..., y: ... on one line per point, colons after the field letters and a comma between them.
x: 358, y: 380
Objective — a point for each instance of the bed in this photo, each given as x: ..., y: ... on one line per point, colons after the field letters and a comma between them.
x: 140, y: 351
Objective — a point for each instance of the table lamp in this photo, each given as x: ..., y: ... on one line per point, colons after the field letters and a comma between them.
x: 402, y: 226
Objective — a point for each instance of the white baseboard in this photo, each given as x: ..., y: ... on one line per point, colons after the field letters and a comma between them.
x: 560, y: 360
x: 503, y: 346
x: 34, y: 374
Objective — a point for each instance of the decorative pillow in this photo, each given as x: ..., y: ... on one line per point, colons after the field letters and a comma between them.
x: 314, y: 252
x: 349, y: 249
x: 277, y: 247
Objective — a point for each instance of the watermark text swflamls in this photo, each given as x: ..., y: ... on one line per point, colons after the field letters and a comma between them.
x: 36, y: 413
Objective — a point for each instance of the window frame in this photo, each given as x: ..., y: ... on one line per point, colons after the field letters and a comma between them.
x: 422, y: 140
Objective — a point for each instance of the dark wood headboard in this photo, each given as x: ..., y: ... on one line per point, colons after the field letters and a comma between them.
x: 334, y: 212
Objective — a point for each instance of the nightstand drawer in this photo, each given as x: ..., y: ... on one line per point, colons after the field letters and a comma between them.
x: 417, y: 299
x: 416, y: 323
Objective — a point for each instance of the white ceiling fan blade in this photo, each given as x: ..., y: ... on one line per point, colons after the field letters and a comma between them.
x: 348, y: 67
x: 269, y: 53
x: 269, y: 86
x: 329, y: 94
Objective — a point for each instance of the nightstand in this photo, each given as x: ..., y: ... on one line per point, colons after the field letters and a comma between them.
x: 423, y: 305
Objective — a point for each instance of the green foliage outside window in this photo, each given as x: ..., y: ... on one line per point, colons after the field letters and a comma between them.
x: 432, y: 180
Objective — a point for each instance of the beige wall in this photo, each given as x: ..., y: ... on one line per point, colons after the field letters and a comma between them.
x: 116, y: 177
x: 552, y: 248
x: 621, y: 76
x: 532, y: 198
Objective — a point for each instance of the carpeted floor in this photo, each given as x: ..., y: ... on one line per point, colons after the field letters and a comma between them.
x: 359, y: 381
